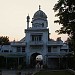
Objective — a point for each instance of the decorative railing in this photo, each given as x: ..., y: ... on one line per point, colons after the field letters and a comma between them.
x: 57, y: 53
x: 8, y: 54
x: 18, y: 43
x: 55, y: 43
x: 36, y: 43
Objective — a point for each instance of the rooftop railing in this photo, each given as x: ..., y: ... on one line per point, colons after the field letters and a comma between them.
x: 55, y: 43
x: 36, y: 43
x: 18, y: 43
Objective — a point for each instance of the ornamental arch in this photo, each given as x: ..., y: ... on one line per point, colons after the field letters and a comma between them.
x: 34, y: 60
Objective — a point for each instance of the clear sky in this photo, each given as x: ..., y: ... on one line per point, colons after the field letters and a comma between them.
x: 13, y: 15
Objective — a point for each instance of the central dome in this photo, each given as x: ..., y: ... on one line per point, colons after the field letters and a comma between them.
x: 40, y: 14
x: 39, y: 19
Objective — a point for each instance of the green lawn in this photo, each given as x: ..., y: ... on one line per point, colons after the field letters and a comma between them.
x: 53, y: 73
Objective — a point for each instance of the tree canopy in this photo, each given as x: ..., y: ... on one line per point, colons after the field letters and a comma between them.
x: 66, y: 13
x: 66, y: 18
x: 4, y: 40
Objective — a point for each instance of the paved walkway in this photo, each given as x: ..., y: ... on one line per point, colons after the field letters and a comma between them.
x: 14, y: 72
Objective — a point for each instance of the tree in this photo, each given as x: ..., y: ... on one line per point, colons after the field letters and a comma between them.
x: 4, y: 40
x: 66, y: 13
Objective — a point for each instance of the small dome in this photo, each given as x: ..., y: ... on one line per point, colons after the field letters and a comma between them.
x: 39, y: 14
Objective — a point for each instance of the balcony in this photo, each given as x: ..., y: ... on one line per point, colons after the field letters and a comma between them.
x: 56, y: 54
x: 33, y: 43
x: 12, y: 54
x: 18, y: 43
x: 52, y: 43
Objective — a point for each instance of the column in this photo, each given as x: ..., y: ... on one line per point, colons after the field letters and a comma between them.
x: 18, y: 61
x: 6, y: 62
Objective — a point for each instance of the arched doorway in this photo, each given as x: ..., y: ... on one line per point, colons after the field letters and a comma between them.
x: 33, y: 60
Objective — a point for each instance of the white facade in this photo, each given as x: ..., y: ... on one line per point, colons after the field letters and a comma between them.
x: 37, y: 42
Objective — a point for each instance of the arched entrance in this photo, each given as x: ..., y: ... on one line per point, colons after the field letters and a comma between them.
x: 33, y: 60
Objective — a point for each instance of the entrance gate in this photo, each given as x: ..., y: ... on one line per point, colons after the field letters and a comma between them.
x: 33, y: 61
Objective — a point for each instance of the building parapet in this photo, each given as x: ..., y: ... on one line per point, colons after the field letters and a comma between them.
x: 58, y: 43
x: 57, y: 54
x: 36, y: 43
x: 37, y: 29
x: 12, y: 54
x: 18, y: 43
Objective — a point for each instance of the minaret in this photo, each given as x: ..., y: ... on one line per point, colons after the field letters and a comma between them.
x: 39, y: 7
x: 28, y: 19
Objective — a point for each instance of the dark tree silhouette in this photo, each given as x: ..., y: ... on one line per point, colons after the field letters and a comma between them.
x: 66, y: 18
x: 4, y: 40
x: 66, y: 15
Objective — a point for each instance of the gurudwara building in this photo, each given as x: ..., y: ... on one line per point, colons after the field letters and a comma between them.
x: 36, y: 42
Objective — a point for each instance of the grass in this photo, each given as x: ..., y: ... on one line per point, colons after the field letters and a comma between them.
x: 53, y: 73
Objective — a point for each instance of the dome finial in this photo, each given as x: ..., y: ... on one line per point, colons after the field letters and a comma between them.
x: 39, y: 7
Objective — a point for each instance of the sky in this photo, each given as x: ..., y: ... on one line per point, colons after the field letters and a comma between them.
x: 13, y: 15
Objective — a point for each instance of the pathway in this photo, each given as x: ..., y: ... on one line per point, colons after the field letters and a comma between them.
x: 13, y: 72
